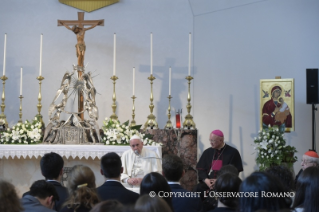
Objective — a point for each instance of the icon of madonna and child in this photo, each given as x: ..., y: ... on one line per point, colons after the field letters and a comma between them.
x: 275, y: 111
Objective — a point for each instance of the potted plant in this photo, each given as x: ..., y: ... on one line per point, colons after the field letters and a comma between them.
x: 271, y: 149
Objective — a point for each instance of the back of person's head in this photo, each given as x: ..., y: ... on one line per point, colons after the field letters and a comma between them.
x: 9, y: 200
x: 51, y: 165
x: 228, y: 183
x: 258, y: 193
x: 229, y: 168
x: 173, y: 167
x: 283, y: 174
x: 157, y: 183
x: 42, y: 189
x: 146, y: 203
x: 111, y: 165
x: 108, y: 206
x: 81, y: 186
x: 307, y: 189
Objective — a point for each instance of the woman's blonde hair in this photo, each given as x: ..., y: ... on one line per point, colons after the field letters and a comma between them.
x: 81, y: 186
x: 9, y: 200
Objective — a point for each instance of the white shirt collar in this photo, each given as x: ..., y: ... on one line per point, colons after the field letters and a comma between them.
x: 172, y: 183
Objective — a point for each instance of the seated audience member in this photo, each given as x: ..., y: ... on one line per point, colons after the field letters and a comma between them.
x: 283, y: 174
x: 213, y: 159
x: 108, y: 206
x: 51, y: 165
x: 41, y: 197
x: 111, y: 168
x: 261, y: 183
x: 156, y: 183
x: 152, y: 204
x: 81, y: 187
x: 307, y: 191
x: 229, y: 168
x: 9, y: 200
x: 173, y: 171
x: 227, y: 182
x: 310, y: 158
x: 137, y: 162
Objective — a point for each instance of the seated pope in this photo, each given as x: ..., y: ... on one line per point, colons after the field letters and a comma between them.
x: 137, y: 162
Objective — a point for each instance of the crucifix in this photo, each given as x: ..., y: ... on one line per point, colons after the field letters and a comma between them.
x: 78, y: 27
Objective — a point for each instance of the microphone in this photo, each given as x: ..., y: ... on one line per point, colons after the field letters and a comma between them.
x: 136, y: 152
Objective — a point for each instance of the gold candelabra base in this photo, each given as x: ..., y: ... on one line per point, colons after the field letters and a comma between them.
x: 20, y: 114
x: 114, y: 116
x: 188, y: 122
x: 151, y: 122
x: 133, y: 122
x: 3, y: 118
x: 39, y: 105
x: 169, y: 123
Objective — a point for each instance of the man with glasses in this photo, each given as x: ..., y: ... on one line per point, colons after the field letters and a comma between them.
x: 213, y: 158
x: 137, y: 162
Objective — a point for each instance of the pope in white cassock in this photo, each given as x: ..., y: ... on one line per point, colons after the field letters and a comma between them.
x: 137, y: 162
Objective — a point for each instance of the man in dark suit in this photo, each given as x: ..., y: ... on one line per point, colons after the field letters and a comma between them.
x: 41, y: 197
x: 51, y: 165
x: 183, y: 200
x: 111, y: 168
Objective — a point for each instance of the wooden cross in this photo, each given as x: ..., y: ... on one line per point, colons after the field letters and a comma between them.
x: 78, y: 27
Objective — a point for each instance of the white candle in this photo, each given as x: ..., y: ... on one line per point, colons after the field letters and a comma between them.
x: 40, y: 72
x: 114, y: 53
x: 151, y: 53
x: 4, y: 55
x: 189, y: 55
x: 133, y: 81
x: 21, y: 83
x: 170, y: 81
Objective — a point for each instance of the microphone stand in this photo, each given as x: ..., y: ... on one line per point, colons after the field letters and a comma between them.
x: 313, y: 126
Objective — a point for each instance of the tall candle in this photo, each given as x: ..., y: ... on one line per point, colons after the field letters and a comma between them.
x: 151, y: 53
x: 4, y: 55
x: 21, y: 83
x: 133, y: 81
x: 189, y: 55
x: 40, y: 72
x: 170, y: 81
x: 114, y: 57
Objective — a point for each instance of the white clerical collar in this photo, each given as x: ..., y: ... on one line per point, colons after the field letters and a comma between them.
x: 53, y: 181
x: 172, y: 183
x: 113, y: 180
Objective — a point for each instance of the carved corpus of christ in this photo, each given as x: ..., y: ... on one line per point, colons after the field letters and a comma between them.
x: 78, y: 27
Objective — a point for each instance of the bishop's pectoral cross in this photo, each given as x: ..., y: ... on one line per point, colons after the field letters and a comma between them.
x: 79, y: 30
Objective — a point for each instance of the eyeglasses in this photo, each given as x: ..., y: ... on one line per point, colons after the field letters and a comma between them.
x: 306, y: 162
x: 213, y: 141
x: 134, y: 145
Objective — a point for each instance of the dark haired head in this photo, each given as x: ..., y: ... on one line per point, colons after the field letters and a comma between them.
x: 156, y: 182
x: 42, y: 189
x: 145, y: 203
x: 228, y: 169
x: 228, y: 183
x: 9, y: 200
x: 108, y: 206
x: 283, y: 174
x: 111, y: 165
x: 51, y: 165
x: 172, y: 167
x: 308, y: 187
x: 260, y: 183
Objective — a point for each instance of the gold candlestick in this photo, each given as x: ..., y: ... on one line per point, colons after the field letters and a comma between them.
x: 151, y: 122
x: 133, y: 123
x: 3, y: 118
x: 39, y: 105
x: 189, y: 123
x: 20, y: 114
x: 114, y: 116
x: 169, y: 123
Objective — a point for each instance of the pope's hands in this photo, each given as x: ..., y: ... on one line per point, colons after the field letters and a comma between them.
x: 134, y: 181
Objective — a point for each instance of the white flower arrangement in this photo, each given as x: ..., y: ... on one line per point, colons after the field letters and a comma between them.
x: 116, y: 133
x: 23, y: 133
x: 271, y: 149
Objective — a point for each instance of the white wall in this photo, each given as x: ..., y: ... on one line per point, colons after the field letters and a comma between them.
x: 235, y: 44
